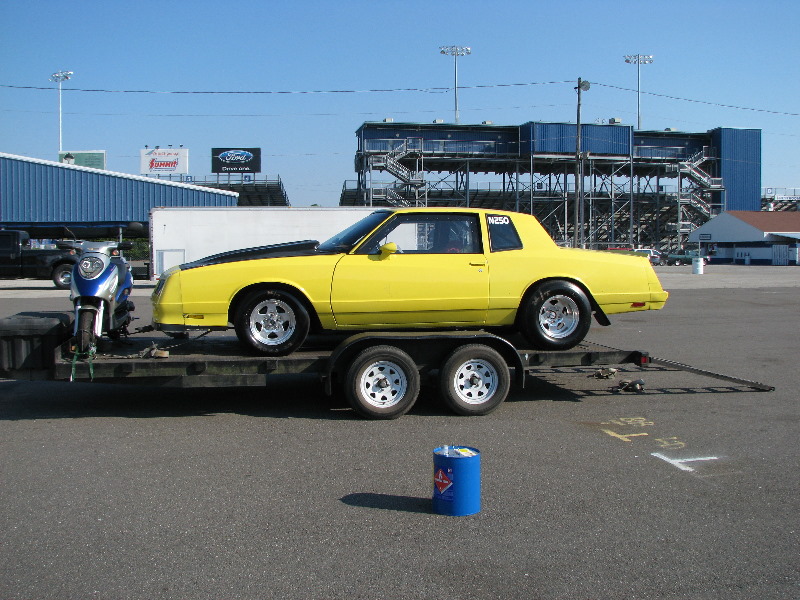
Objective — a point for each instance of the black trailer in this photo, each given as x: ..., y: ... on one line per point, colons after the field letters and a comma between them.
x: 378, y: 372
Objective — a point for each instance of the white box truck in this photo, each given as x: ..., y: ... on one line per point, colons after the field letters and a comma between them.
x: 184, y: 234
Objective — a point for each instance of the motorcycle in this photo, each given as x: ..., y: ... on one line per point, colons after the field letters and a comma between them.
x: 100, y: 288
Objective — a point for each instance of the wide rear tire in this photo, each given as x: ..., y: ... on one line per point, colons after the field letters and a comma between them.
x: 556, y: 316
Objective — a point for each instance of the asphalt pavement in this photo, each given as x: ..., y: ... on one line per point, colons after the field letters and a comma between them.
x: 686, y: 489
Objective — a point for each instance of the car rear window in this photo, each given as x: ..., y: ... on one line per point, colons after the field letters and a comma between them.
x: 502, y: 233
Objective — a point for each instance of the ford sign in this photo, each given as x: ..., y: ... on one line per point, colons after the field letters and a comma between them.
x: 236, y: 160
x: 236, y: 156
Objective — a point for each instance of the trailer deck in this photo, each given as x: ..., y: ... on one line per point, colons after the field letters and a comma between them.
x: 38, y: 346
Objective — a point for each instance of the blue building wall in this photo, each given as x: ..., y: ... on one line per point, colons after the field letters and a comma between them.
x: 559, y: 138
x: 45, y: 192
x: 739, y: 166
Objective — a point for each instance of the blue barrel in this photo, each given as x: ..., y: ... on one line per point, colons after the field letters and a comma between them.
x: 456, y: 481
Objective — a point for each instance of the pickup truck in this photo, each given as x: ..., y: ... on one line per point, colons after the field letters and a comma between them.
x: 18, y: 260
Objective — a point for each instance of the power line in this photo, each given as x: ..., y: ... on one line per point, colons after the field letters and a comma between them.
x: 267, y: 92
x: 764, y: 110
x: 431, y: 90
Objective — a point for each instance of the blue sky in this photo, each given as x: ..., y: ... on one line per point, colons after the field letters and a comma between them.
x: 710, y: 56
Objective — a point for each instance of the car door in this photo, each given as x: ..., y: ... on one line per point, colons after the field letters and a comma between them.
x: 419, y: 269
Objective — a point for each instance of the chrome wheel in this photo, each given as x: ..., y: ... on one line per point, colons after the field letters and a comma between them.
x: 559, y: 317
x: 556, y: 315
x: 272, y: 322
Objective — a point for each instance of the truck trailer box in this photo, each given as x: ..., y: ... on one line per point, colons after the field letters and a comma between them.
x: 179, y: 235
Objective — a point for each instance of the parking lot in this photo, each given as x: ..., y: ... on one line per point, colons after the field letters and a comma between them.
x: 686, y: 489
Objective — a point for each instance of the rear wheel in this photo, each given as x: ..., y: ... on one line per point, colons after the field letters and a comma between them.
x: 85, y: 339
x: 556, y: 316
x: 474, y: 380
x: 382, y: 383
x: 272, y: 322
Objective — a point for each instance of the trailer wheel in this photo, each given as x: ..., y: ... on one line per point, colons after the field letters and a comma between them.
x: 382, y: 383
x: 474, y: 380
x: 557, y: 316
x: 62, y: 276
x: 272, y: 322
x: 85, y: 338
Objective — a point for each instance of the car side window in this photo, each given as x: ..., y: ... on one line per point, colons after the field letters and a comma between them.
x: 502, y: 233
x: 428, y: 234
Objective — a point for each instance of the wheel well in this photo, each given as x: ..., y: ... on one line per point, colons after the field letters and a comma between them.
x: 244, y: 292
x: 60, y: 263
x: 599, y: 315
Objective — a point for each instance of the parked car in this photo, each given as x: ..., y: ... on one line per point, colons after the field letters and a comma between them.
x: 654, y: 256
x: 685, y: 257
x: 415, y: 268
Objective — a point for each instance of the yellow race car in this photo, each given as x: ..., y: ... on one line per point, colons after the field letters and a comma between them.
x: 414, y: 268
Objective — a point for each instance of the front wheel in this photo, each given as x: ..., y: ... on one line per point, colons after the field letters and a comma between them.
x: 474, y: 380
x: 556, y: 316
x: 382, y: 383
x: 272, y: 322
x: 85, y: 339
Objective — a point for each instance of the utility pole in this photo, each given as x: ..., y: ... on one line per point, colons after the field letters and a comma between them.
x: 577, y: 226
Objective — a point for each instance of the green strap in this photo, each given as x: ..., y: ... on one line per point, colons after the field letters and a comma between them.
x: 90, y: 358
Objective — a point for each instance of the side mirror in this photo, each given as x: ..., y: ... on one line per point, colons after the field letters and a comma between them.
x: 387, y: 249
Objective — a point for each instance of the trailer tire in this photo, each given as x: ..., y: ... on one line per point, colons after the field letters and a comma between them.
x: 272, y: 322
x: 474, y: 380
x: 556, y: 316
x: 382, y: 383
x: 62, y: 276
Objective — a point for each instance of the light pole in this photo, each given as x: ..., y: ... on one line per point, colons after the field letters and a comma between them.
x: 578, y: 227
x: 639, y: 60
x: 455, y: 52
x: 60, y: 77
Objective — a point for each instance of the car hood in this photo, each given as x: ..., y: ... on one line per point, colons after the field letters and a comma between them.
x: 304, y: 248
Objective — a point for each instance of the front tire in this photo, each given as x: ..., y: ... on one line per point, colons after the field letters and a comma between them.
x: 474, y: 380
x: 382, y: 383
x: 85, y: 338
x: 556, y: 316
x: 272, y: 322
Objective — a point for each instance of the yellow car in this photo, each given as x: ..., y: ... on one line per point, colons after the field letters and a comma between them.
x: 415, y: 268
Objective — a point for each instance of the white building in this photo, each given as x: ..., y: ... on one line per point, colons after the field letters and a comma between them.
x: 750, y: 237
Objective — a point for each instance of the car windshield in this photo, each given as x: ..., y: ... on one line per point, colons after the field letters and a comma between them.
x: 345, y: 240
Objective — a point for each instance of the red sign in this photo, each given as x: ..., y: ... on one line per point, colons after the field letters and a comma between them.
x: 441, y: 481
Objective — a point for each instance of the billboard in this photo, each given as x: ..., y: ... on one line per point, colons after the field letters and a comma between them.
x: 96, y: 159
x: 236, y: 160
x: 164, y: 161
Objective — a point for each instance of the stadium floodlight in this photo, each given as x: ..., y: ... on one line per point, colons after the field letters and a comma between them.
x: 455, y: 52
x: 60, y: 77
x: 638, y: 60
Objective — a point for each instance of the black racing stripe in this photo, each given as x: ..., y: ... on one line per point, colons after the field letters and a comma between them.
x: 304, y: 248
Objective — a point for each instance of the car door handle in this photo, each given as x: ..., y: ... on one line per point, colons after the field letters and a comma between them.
x: 474, y: 263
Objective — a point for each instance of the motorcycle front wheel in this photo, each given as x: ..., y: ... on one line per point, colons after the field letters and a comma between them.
x: 85, y: 337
